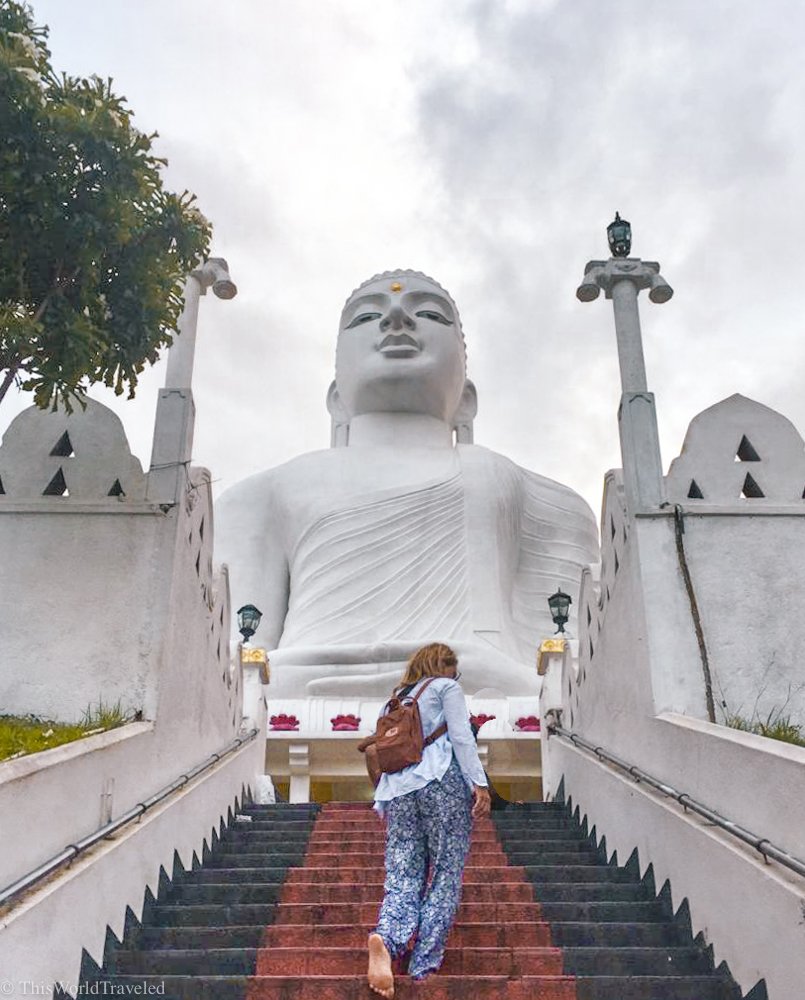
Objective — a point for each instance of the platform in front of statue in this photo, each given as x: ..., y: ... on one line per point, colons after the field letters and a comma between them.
x: 312, y: 755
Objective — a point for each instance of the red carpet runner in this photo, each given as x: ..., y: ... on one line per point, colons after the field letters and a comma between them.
x: 499, y: 948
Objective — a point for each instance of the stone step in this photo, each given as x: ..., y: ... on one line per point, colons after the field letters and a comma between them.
x: 533, y: 859
x: 358, y: 876
x: 348, y: 859
x: 633, y: 961
x: 267, y: 859
x: 370, y: 836
x: 457, y: 962
x: 602, y: 912
x: 542, y: 874
x: 528, y: 934
x: 259, y: 823
x: 164, y: 938
x: 233, y: 914
x: 543, y: 833
x: 366, y: 913
x: 437, y: 987
x: 267, y: 875
x: 547, y: 848
x: 282, y: 811
x: 243, y: 835
x: 555, y: 821
x: 224, y: 893
x: 592, y: 892
x: 186, y: 962
x: 312, y: 892
x: 614, y: 935
x: 711, y: 987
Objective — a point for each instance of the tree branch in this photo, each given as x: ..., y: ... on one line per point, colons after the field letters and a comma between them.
x: 7, y: 382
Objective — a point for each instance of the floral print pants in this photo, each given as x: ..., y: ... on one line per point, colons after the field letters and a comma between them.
x: 427, y: 834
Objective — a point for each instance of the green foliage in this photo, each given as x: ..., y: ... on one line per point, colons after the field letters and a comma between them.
x: 93, y: 251
x: 776, y: 727
x: 27, y: 734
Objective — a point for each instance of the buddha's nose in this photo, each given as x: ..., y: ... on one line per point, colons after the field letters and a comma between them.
x: 397, y: 319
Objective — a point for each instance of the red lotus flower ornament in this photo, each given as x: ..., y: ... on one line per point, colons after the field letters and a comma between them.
x: 283, y: 723
x: 528, y: 724
x: 481, y: 718
x: 345, y: 723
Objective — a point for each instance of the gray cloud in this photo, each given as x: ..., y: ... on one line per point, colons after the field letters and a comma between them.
x: 487, y: 143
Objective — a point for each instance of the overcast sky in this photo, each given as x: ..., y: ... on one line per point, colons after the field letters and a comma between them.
x: 488, y: 144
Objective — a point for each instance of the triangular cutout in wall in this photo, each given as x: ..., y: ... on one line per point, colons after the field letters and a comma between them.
x: 116, y: 490
x: 694, y: 493
x: 751, y: 490
x: 2, y: 490
x: 63, y: 448
x: 57, y: 487
x: 746, y: 453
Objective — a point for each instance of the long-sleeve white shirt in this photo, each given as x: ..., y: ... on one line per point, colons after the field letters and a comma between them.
x: 442, y: 701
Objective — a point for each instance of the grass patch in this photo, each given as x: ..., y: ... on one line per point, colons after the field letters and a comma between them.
x: 775, y: 727
x: 20, y: 735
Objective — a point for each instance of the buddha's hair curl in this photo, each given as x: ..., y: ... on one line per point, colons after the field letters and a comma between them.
x: 409, y: 273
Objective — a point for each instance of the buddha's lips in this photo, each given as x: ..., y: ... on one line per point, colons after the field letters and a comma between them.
x: 399, y: 345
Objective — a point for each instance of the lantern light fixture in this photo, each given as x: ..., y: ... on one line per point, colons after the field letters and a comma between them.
x: 248, y: 620
x: 619, y: 234
x: 559, y: 603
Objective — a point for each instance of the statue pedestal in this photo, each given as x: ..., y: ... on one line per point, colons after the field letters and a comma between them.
x: 316, y: 762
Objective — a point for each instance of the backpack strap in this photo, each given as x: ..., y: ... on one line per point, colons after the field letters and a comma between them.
x: 439, y: 731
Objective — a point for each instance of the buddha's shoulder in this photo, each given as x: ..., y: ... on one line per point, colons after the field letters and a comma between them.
x: 535, y: 488
x: 292, y: 475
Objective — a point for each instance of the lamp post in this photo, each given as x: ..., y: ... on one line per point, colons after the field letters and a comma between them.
x: 213, y: 273
x: 559, y: 603
x: 621, y: 278
x: 176, y: 413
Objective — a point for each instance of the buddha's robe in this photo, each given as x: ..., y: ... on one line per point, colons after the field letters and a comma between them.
x: 358, y: 556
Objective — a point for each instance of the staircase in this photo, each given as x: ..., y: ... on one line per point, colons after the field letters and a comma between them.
x: 281, y: 908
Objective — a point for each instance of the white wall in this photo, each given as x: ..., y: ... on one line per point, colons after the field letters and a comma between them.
x: 113, y: 598
x: 42, y: 938
x: 749, y: 911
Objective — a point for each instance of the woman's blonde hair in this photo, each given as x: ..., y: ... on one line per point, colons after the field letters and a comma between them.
x: 429, y: 661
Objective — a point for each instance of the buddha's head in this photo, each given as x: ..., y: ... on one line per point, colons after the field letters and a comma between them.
x: 401, y: 350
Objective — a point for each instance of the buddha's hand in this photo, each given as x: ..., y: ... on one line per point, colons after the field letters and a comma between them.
x: 482, y: 802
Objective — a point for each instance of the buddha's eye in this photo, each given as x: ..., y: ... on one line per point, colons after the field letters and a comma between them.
x: 436, y: 317
x: 363, y: 318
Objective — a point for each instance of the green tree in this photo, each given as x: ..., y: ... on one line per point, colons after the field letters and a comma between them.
x: 93, y: 251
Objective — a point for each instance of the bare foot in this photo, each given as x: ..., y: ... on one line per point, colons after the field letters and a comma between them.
x: 380, y: 976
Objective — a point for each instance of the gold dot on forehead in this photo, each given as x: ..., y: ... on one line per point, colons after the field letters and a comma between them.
x: 396, y: 286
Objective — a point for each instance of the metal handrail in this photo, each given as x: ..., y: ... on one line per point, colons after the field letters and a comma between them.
x: 72, y: 851
x: 761, y: 844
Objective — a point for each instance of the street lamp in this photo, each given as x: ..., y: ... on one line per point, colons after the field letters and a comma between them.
x: 559, y: 603
x: 248, y: 620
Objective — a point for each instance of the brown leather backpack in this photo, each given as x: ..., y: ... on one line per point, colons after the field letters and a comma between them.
x: 398, y: 741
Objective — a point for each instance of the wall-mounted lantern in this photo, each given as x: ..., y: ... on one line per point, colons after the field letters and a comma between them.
x: 248, y: 620
x: 559, y: 603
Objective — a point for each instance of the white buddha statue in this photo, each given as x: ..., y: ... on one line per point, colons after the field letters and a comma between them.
x: 403, y: 532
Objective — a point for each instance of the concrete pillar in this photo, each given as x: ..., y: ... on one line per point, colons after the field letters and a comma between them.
x: 299, y: 768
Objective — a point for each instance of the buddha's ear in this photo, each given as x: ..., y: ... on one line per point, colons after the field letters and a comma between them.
x: 339, y: 426
x: 465, y: 414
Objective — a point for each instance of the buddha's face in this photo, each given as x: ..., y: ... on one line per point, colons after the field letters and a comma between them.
x: 400, y: 349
